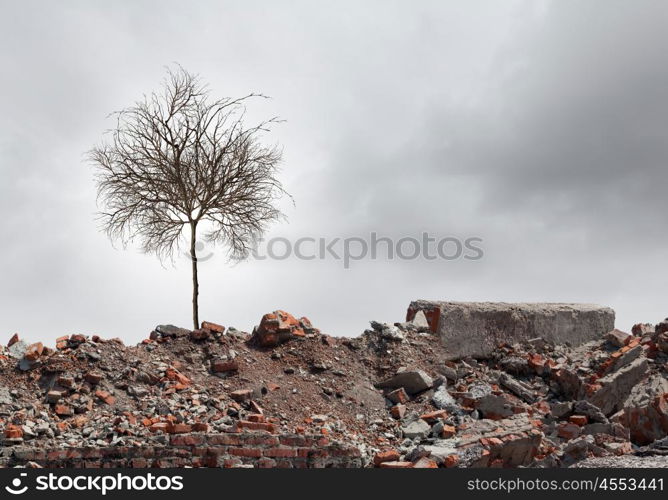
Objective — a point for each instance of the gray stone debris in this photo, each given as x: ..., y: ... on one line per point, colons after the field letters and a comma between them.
x: 387, y: 331
x: 593, y: 413
x: 413, y: 381
x: 517, y: 388
x: 561, y: 409
x: 172, y: 331
x: 448, y: 372
x: 618, y: 338
x: 444, y: 401
x: 493, y: 406
x: 416, y: 429
x: 617, y: 386
x: 18, y: 349
x: 5, y: 396
x: 642, y: 412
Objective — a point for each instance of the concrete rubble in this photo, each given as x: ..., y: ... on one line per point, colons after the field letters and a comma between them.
x: 288, y: 395
x: 476, y: 328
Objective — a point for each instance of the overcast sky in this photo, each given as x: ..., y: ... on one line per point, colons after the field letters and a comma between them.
x: 539, y: 126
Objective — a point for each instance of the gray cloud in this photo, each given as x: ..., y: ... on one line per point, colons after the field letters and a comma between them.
x: 539, y: 126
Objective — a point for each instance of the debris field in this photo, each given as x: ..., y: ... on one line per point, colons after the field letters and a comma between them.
x: 390, y: 397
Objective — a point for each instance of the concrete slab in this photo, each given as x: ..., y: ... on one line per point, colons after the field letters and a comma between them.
x: 477, y: 328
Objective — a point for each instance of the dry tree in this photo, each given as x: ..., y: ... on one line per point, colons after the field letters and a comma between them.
x: 177, y: 161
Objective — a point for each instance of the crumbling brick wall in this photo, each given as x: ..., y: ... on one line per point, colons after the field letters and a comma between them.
x: 200, y: 450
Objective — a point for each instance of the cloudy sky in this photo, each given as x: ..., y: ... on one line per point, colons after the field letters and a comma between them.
x: 539, y: 126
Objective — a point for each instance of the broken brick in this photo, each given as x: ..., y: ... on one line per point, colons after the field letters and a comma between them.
x: 63, y: 410
x: 105, y: 396
x: 199, y: 334
x: 13, y: 432
x: 398, y: 396
x: 34, y: 351
x: 425, y: 463
x: 276, y: 328
x: 580, y: 420
x: 93, y: 378
x: 448, y: 431
x: 568, y: 430
x: 433, y: 416
x: 398, y: 411
x: 224, y: 366
x: 241, y: 395
x: 213, y: 327
x: 61, y: 342
x: 386, y: 456
x: 13, y: 340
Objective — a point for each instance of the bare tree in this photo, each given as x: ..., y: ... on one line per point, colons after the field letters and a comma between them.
x: 178, y: 159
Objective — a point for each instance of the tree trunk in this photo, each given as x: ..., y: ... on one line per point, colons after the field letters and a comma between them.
x: 193, y: 257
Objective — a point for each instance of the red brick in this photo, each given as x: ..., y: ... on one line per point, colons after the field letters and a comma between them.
x: 213, y: 327
x: 452, y: 460
x: 179, y: 428
x: 224, y: 366
x: 93, y: 378
x: 425, y: 463
x: 187, y: 440
x: 159, y: 426
x: 138, y: 463
x: 386, y: 456
x: 105, y: 396
x: 398, y: 396
x: 257, y: 439
x: 256, y: 426
x: 61, y: 342
x: 13, y: 432
x: 294, y: 440
x: 246, y: 452
x: 568, y: 431
x: 433, y: 416
x: 64, y: 410
x: 241, y: 395
x: 314, y: 453
x: 231, y: 462
x: 78, y: 339
x: 448, y: 431
x: 225, y: 439
x: 266, y: 463
x: 34, y: 351
x: 199, y: 334
x: 537, y: 362
x: 280, y: 452
x: 491, y: 442
x: 580, y: 420
x: 13, y: 340
x: 398, y: 411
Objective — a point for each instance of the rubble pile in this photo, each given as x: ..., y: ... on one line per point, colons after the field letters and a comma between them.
x: 392, y: 397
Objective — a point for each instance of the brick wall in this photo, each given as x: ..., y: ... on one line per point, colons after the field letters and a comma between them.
x: 198, y: 450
